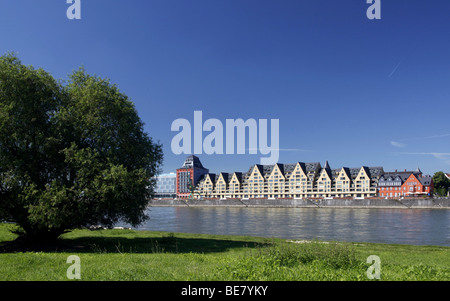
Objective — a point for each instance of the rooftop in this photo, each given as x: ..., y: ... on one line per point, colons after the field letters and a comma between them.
x: 192, y: 161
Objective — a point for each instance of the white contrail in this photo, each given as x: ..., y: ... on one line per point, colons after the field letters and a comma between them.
x: 400, y: 144
x: 433, y: 154
x: 397, y: 144
x: 428, y: 137
x: 395, y: 69
x: 441, y: 156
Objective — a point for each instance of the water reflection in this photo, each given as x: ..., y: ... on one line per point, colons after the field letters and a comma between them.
x: 401, y: 226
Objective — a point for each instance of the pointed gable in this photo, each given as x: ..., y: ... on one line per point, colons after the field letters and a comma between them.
x: 277, y: 169
x: 364, y: 172
x: 326, y: 171
x: 295, y: 172
x: 257, y: 171
x: 223, y: 177
x: 210, y: 178
x: 236, y: 177
x: 345, y: 173
x: 300, y: 166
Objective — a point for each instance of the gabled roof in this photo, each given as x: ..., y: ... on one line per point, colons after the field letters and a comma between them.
x: 425, y: 180
x: 212, y: 177
x: 354, y: 172
x: 224, y: 176
x: 267, y: 169
x: 403, y: 175
x: 312, y: 167
x: 281, y: 168
x: 238, y: 176
x: 192, y: 161
x: 290, y: 167
x: 347, y: 172
x: 260, y: 169
x: 372, y: 172
x: 367, y: 171
x: 270, y: 169
x: 327, y: 170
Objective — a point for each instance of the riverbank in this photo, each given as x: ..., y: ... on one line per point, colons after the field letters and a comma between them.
x: 131, y: 255
x: 413, y: 203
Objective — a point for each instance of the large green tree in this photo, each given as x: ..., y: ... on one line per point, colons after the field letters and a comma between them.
x: 71, y: 155
x: 441, y: 183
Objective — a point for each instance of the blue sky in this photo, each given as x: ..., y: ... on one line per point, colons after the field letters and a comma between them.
x: 344, y: 88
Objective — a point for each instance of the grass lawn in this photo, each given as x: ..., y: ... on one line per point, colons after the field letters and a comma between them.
x: 132, y: 255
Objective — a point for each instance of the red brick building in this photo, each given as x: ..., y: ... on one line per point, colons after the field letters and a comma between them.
x: 417, y: 185
x: 405, y: 184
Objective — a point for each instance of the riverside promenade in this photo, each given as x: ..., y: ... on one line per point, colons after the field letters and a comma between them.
x: 407, y: 203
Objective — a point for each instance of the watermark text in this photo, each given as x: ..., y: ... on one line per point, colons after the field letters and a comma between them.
x: 74, y: 271
x: 213, y: 142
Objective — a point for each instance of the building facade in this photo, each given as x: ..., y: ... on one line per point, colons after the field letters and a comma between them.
x: 188, y: 176
x: 391, y: 183
x: 418, y: 185
x: 405, y: 184
x: 297, y: 180
x: 166, y: 186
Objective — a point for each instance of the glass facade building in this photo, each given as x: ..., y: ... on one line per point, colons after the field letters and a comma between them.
x: 166, y: 186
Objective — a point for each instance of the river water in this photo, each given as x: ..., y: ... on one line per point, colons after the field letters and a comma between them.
x: 391, y: 226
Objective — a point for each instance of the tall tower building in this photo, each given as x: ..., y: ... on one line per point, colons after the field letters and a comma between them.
x: 189, y: 175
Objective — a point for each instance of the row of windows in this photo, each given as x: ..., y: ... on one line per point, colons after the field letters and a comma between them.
x: 303, y: 180
x: 411, y: 188
x: 390, y: 184
x: 283, y: 184
x: 285, y: 189
x: 391, y: 194
x: 394, y: 188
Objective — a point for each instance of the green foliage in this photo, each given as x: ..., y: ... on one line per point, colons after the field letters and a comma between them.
x: 441, y: 183
x: 70, y: 156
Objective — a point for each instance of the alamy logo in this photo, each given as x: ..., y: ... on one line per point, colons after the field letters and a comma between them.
x: 213, y: 143
x: 74, y: 271
x: 374, y: 11
x: 74, y: 10
x: 374, y: 271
